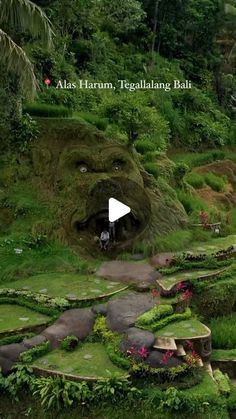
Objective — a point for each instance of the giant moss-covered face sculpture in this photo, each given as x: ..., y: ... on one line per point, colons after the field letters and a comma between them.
x: 78, y: 170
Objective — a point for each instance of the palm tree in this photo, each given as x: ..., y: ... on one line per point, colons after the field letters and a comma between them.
x: 23, y: 15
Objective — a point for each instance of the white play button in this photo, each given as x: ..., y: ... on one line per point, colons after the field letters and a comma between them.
x: 117, y: 210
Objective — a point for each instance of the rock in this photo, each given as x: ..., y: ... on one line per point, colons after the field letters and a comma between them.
x: 162, y: 260
x: 43, y: 291
x: 88, y: 357
x: 123, y: 312
x: 34, y: 341
x: 129, y: 272
x: 6, y: 365
x: 100, y: 309
x: 155, y: 357
x: 137, y: 338
x: 78, y: 322
x: 12, y: 352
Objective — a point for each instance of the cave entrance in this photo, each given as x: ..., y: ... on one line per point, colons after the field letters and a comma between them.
x: 121, y: 230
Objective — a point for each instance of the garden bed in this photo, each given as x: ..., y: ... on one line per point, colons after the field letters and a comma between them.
x: 67, y: 285
x: 15, y: 318
x: 184, y: 329
x: 168, y: 282
x: 89, y: 361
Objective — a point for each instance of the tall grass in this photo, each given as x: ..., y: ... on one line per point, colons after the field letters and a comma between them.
x: 100, y: 123
x: 173, y: 242
x: 200, y: 159
x: 224, y: 332
x: 191, y: 202
x: 216, y: 183
x: 196, y: 180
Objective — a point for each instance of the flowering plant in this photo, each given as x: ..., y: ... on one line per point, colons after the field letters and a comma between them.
x: 140, y: 353
x: 155, y: 293
x: 167, y: 355
x: 181, y: 286
x: 187, y: 295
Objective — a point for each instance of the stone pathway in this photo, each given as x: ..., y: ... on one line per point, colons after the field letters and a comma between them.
x: 142, y: 275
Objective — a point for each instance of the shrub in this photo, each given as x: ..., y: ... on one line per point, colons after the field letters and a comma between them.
x: 24, y: 132
x: 223, y: 382
x: 216, y: 299
x: 215, y: 182
x: 151, y: 168
x: 100, y: 123
x: 57, y: 392
x: 101, y: 331
x: 15, y: 338
x: 36, y: 352
x: 144, y: 146
x: 167, y: 320
x: 156, y: 313
x: 44, y: 110
x: 70, y: 343
x: 195, y: 179
x: 180, y: 170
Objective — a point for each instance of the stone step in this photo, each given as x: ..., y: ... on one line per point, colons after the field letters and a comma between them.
x: 166, y: 344
x: 208, y: 369
x: 180, y: 350
x: 200, y: 362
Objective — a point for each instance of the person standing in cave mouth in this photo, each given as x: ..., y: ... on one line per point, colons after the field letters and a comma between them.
x: 112, y: 231
x: 104, y: 239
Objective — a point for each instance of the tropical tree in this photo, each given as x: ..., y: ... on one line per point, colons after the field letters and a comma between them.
x: 22, y: 15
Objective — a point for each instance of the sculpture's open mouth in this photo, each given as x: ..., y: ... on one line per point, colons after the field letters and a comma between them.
x: 124, y: 229
x: 96, y: 219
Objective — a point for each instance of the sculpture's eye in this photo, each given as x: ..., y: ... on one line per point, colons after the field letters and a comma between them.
x: 118, y: 165
x: 83, y: 168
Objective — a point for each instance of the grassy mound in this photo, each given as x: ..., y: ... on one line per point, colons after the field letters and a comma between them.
x: 67, y: 285
x: 168, y: 282
x: 184, y: 329
x: 89, y: 360
x: 14, y: 317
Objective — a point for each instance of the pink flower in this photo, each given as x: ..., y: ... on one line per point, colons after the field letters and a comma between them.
x: 195, y: 354
x: 180, y: 286
x: 131, y: 351
x: 187, y: 295
x: 143, y: 352
x: 189, y: 344
x: 47, y: 82
x: 167, y: 355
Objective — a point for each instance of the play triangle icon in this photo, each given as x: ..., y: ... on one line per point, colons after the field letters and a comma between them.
x: 117, y: 210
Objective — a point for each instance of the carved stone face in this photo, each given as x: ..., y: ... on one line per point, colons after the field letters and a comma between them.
x: 81, y: 173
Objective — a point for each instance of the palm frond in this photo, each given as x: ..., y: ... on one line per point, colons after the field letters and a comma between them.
x: 17, y: 61
x: 26, y: 15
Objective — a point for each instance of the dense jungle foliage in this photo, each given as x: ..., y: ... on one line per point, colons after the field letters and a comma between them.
x: 106, y: 41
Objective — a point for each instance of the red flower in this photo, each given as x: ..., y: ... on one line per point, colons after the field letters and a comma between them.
x: 195, y: 354
x: 192, y: 358
x: 180, y: 286
x: 187, y: 295
x: 167, y: 355
x: 143, y: 352
x: 155, y: 293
